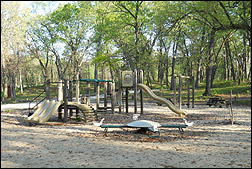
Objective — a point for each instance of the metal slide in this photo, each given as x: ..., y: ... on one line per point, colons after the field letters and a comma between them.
x: 162, y: 100
x: 44, y: 112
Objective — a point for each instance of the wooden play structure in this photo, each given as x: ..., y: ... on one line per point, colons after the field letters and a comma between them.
x: 127, y: 80
x: 189, y: 79
x: 65, y: 101
x: 90, y: 115
x: 134, y: 80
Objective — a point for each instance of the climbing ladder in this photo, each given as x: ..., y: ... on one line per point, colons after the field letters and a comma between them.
x: 90, y: 115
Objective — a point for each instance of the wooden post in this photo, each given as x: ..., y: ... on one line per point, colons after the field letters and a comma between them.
x: 83, y: 91
x: 105, y: 93
x: 70, y: 96
x: 120, y: 91
x: 60, y: 113
x: 48, y: 92
x: 77, y: 112
x: 188, y: 92
x: 127, y: 99
x: 65, y: 101
x: 77, y: 90
x: 113, y: 97
x: 180, y: 91
x: 97, y: 95
x: 141, y: 92
x: 59, y: 91
x: 231, y: 110
x: 88, y: 93
x: 174, y: 89
x: 70, y: 91
x: 193, y: 87
x: 135, y: 90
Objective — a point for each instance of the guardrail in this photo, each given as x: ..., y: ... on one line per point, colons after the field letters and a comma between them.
x: 37, y: 103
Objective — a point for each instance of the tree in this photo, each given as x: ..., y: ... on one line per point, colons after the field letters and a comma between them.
x: 72, y: 29
x: 39, y: 45
x: 127, y: 23
x: 216, y: 16
x: 13, y: 25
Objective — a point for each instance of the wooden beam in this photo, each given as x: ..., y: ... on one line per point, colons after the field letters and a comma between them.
x: 135, y: 90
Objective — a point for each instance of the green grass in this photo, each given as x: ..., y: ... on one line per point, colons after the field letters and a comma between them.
x: 241, y: 93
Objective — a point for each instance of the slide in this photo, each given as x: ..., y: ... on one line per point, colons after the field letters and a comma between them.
x: 44, y: 112
x: 161, y: 100
x: 83, y: 107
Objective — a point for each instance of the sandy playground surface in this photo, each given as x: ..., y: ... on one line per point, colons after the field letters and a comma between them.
x: 212, y: 142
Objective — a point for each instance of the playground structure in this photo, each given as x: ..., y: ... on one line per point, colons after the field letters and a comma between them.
x: 181, y: 77
x: 65, y: 101
x: 162, y: 100
x: 44, y: 112
x: 134, y: 80
x: 85, y: 105
x: 127, y: 80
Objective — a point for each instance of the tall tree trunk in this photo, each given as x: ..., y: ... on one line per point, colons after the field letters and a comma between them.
x: 148, y: 77
x: 166, y: 71
x: 152, y: 75
x: 245, y: 70
x: 249, y: 58
x: 4, y: 77
x: 5, y: 80
x: 225, y: 69
x: 98, y: 50
x: 231, y: 60
x: 175, y: 47
x: 95, y: 75
x: 173, y: 62
x: 5, y: 90
x: 232, y: 69
x: 173, y: 66
x: 214, y: 69
x: 209, y: 66
x: 20, y: 81
x: 227, y: 63
x: 200, y: 59
x: 13, y: 86
x: 245, y: 54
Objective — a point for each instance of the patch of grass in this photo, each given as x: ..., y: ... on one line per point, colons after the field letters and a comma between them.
x: 219, y: 88
x: 235, y: 89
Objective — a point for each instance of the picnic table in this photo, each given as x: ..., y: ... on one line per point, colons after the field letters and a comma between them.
x: 216, y: 101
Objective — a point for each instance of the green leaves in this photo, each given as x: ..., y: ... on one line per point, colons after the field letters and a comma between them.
x: 132, y: 29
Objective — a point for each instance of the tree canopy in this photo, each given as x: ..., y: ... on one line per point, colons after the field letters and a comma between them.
x: 206, y: 39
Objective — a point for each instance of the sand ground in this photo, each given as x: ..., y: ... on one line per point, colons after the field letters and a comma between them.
x: 212, y: 142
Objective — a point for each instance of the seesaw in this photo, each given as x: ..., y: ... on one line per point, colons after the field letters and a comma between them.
x: 151, y: 127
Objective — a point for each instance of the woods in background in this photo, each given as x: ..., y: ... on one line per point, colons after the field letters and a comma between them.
x: 208, y: 39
